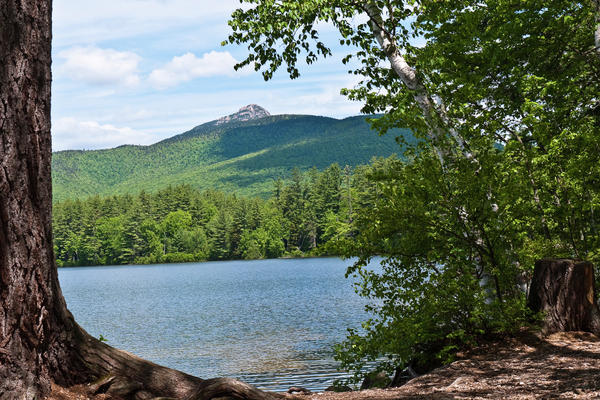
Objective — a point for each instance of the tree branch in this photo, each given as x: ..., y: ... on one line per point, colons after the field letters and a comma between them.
x: 435, y: 114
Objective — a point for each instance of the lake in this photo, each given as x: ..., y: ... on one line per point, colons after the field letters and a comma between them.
x: 271, y: 323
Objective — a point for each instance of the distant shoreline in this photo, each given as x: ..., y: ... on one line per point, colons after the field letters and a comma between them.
x: 199, y: 262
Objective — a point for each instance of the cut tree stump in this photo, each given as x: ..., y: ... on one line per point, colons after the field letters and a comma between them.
x: 563, y: 290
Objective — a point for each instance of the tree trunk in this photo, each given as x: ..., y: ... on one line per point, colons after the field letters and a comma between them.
x: 40, y: 342
x: 596, y: 4
x: 33, y: 316
x: 563, y: 290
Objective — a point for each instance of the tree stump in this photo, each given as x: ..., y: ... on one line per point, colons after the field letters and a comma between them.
x: 563, y: 289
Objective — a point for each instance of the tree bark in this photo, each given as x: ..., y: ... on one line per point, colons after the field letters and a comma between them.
x: 434, y: 114
x: 596, y: 5
x: 33, y: 316
x: 563, y: 290
x: 40, y: 343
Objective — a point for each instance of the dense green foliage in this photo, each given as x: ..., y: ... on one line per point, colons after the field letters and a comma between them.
x: 244, y: 157
x: 181, y: 223
x: 504, y: 95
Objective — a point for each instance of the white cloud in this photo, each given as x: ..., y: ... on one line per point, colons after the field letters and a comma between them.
x: 101, y: 66
x: 187, y: 67
x: 71, y: 134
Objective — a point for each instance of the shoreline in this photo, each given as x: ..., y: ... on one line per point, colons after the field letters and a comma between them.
x: 206, y: 261
x: 565, y: 365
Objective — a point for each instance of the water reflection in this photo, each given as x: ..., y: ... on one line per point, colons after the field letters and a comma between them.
x: 271, y: 323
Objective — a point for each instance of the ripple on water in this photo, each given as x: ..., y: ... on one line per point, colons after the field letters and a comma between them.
x: 271, y: 323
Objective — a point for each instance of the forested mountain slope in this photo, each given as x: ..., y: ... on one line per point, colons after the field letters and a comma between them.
x: 243, y: 152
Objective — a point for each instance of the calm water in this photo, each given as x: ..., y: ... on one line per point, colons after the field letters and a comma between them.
x: 271, y: 323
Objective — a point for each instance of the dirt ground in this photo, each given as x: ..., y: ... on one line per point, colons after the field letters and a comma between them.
x: 562, y: 366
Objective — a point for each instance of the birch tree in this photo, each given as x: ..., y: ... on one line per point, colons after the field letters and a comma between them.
x: 504, y: 97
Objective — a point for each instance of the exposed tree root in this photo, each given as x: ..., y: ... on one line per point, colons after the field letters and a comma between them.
x: 118, y: 373
x: 229, y: 388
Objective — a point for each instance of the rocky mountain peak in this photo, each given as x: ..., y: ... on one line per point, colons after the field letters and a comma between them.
x: 247, y: 113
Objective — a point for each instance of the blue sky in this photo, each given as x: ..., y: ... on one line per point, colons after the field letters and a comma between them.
x: 138, y: 71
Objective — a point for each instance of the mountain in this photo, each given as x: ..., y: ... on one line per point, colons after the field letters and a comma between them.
x: 243, y: 152
x: 250, y: 112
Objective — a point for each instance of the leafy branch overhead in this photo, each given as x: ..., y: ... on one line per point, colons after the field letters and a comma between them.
x: 279, y: 32
x: 380, y: 35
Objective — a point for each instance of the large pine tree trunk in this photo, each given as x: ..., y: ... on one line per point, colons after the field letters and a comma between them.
x: 563, y: 290
x: 40, y: 343
x: 33, y: 316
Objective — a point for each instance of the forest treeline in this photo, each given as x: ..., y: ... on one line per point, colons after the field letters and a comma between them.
x: 183, y: 224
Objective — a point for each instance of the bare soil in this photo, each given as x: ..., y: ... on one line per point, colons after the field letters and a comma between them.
x: 561, y: 366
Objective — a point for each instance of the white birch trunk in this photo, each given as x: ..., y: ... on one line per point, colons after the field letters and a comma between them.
x: 435, y: 115
x: 597, y: 33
